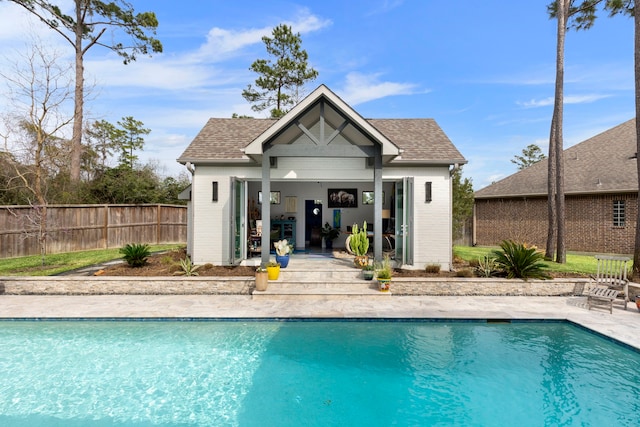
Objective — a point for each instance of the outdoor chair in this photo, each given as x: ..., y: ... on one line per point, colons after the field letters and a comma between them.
x: 611, y: 274
x: 602, y: 296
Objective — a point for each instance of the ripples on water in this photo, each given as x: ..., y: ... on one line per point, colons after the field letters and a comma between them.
x: 313, y: 373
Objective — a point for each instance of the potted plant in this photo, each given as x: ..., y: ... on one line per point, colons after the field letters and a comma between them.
x: 383, y: 274
x: 359, y: 245
x: 368, y: 271
x: 283, y: 249
x: 329, y: 234
x: 273, y: 270
x: 262, y: 278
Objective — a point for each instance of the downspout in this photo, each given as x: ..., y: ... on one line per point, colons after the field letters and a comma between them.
x: 456, y: 166
x: 190, y: 167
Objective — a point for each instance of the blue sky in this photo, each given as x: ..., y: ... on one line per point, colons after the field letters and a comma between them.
x: 483, y: 70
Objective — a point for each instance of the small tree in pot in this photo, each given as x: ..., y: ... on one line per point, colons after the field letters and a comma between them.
x: 329, y: 234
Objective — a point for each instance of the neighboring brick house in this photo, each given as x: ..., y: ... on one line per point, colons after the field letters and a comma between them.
x: 601, y: 189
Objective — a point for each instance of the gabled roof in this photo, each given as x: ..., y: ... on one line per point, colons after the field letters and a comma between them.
x: 404, y: 140
x: 336, y: 107
x: 605, y: 163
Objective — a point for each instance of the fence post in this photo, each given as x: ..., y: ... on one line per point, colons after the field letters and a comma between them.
x: 158, y: 217
x: 105, y: 228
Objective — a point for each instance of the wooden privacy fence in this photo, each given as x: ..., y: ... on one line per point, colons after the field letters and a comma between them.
x: 84, y: 227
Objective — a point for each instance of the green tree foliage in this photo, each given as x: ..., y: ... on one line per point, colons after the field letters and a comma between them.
x: 132, y: 140
x: 85, y: 28
x: 103, y: 139
x: 123, y: 184
x: 462, y: 201
x: 530, y: 155
x: 282, y: 76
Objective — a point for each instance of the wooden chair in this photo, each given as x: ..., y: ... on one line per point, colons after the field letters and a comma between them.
x: 611, y: 274
x: 602, y: 295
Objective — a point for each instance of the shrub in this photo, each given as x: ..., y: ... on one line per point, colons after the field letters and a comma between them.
x: 135, y: 254
x: 432, y: 268
x: 166, y: 260
x: 383, y: 269
x: 486, y: 266
x: 187, y: 268
x: 465, y: 272
x: 520, y: 261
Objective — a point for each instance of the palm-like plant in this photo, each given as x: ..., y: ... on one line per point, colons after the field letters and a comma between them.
x: 520, y: 261
x: 135, y: 254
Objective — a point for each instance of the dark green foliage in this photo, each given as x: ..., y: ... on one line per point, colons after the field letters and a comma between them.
x: 98, y: 17
x: 282, y: 76
x: 329, y: 233
x: 520, y: 261
x: 462, y: 201
x: 131, y: 139
x: 530, y: 155
x: 135, y: 254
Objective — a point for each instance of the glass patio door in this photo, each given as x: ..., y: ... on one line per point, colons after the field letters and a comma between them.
x: 404, y: 221
x: 238, y: 221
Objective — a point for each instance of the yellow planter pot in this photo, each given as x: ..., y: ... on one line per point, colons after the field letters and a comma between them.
x: 385, y: 284
x: 273, y: 272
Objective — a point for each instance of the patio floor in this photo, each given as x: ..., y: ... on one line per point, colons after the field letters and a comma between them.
x: 621, y: 325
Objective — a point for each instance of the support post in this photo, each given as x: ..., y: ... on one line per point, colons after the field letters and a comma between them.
x: 266, y: 205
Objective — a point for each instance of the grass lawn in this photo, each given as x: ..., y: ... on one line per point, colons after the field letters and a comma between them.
x: 59, y: 263
x: 576, y: 262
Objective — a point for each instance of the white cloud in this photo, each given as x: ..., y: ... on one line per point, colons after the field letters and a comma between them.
x: 386, y: 6
x: 157, y: 72
x: 572, y: 99
x: 360, y: 88
x: 223, y: 43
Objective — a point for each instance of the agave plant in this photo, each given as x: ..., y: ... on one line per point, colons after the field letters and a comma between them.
x: 187, y: 268
x: 135, y: 254
x: 521, y: 261
x: 487, y: 266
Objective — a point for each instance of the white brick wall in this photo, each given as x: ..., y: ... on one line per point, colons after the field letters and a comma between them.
x: 308, y: 180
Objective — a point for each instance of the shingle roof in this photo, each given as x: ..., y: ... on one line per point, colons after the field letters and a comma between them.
x: 223, y: 139
x: 421, y: 140
x: 603, y: 163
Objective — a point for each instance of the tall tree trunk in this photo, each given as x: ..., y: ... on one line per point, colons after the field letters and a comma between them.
x: 636, y: 249
x: 558, y: 109
x: 551, y: 194
x: 78, y: 116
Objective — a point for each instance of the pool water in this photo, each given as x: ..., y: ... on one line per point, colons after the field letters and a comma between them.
x: 324, y: 373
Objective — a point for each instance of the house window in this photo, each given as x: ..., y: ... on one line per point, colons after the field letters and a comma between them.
x: 214, y: 191
x: 618, y: 213
x: 427, y: 192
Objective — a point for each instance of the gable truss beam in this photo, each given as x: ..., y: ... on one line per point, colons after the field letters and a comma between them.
x: 281, y: 150
x: 322, y: 140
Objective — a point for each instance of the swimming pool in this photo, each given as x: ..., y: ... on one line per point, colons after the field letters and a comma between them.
x: 353, y: 373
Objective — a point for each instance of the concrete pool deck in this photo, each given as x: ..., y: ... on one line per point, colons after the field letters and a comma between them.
x: 623, y: 326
